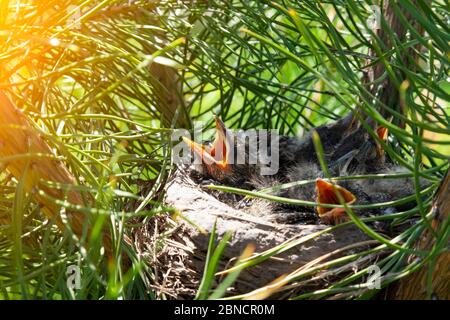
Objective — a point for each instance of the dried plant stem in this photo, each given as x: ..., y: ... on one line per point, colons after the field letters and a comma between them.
x: 19, y: 141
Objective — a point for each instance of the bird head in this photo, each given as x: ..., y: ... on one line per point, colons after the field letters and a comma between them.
x: 359, y: 153
x: 327, y: 193
x: 216, y: 157
x: 371, y: 152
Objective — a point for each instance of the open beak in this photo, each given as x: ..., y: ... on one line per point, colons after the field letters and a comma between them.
x: 218, y: 153
x: 327, y: 194
x: 382, y: 133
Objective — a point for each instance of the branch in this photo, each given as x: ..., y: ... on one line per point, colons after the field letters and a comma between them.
x: 19, y: 140
x: 415, y: 286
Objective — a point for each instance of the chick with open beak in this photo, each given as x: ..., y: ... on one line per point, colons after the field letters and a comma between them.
x: 217, y: 158
x: 327, y: 193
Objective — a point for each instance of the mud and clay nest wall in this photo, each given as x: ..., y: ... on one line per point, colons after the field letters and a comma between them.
x: 177, y: 247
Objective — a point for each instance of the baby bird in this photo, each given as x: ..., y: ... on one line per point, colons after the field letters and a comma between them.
x: 295, y: 149
x: 233, y: 159
x: 351, y: 192
x: 348, y: 148
x: 220, y: 160
x: 215, y: 156
x: 358, y: 152
x: 236, y: 157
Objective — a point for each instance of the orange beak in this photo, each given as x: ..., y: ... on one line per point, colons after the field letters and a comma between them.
x: 382, y: 133
x: 327, y: 194
x: 218, y: 153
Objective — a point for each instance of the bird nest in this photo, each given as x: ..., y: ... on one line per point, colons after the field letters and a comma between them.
x: 177, y: 245
x: 294, y: 251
